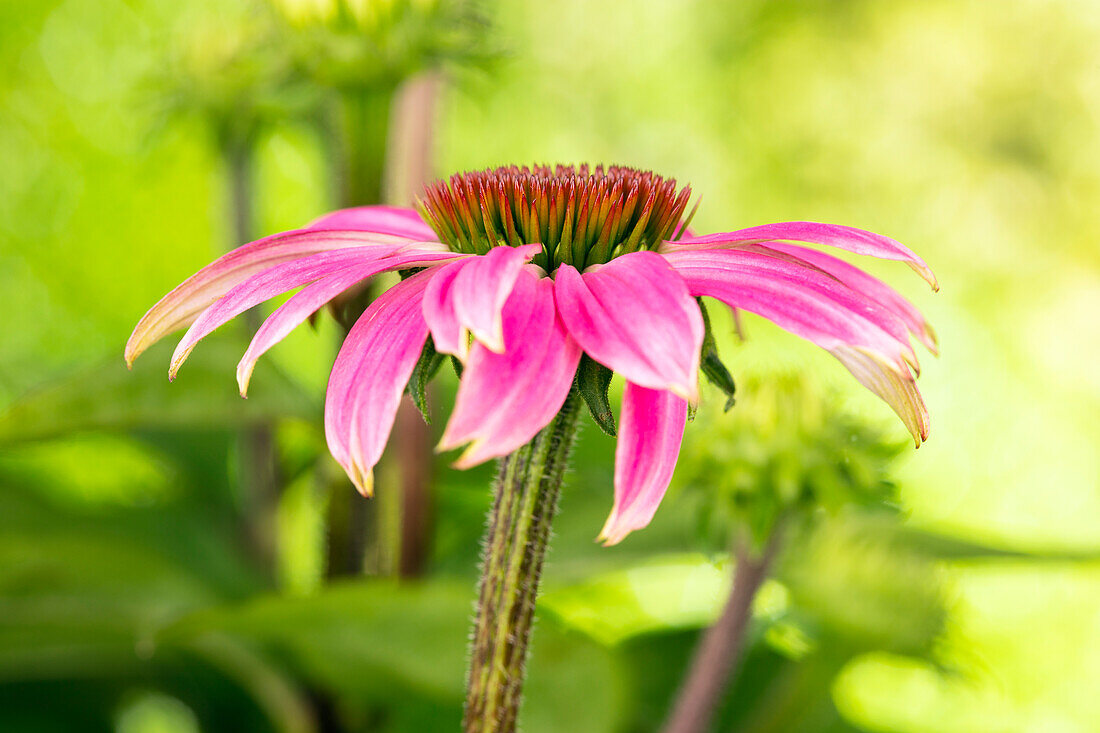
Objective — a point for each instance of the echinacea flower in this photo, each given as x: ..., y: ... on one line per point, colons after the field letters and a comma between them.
x: 518, y: 272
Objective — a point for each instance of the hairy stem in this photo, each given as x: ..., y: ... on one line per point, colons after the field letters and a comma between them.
x: 517, y: 535
x: 720, y: 649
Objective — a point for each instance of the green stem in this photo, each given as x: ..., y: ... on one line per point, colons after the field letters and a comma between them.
x: 517, y: 535
x: 362, y: 119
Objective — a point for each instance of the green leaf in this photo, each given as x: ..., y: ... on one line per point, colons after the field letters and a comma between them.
x: 681, y: 591
x: 711, y: 364
x: 593, y: 380
x: 204, y: 396
x: 404, y: 646
x: 426, y: 367
x: 78, y: 603
x: 369, y: 638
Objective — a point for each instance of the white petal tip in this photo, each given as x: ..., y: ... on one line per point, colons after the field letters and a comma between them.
x: 244, y: 377
x: 613, y: 531
x: 610, y: 540
x: 492, y: 342
x: 689, y: 393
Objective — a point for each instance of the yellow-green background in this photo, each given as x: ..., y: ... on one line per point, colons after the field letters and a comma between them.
x: 968, y: 130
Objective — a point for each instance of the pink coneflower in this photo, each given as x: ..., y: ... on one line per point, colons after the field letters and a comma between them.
x: 518, y: 272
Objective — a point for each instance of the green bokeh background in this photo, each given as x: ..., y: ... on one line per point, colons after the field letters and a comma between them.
x: 967, y: 130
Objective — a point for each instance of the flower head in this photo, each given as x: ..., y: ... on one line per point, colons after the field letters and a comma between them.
x: 518, y: 273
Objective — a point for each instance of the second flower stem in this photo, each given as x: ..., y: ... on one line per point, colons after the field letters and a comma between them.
x: 518, y: 533
x: 721, y: 646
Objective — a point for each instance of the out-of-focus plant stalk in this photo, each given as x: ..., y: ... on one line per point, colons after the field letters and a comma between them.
x: 258, y: 464
x: 377, y: 65
x: 360, y: 540
x: 525, y: 498
x: 408, y: 170
x: 382, y: 152
x: 719, y: 650
x: 361, y: 121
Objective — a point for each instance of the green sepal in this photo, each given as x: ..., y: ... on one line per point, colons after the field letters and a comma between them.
x: 710, y: 363
x: 457, y: 365
x: 426, y: 367
x: 593, y: 380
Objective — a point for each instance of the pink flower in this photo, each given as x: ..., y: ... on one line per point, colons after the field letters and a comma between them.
x: 517, y: 273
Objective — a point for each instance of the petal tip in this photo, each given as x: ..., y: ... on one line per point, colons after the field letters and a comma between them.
x: 690, y: 392
x: 926, y: 272
x: 177, y: 361
x: 244, y: 377
x: 609, y: 537
x: 362, y: 480
x: 470, y: 457
x: 614, y: 530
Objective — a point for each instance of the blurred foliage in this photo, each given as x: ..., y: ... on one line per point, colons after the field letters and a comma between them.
x: 362, y: 44
x: 230, y: 72
x: 109, y: 397
x: 964, y: 129
x: 785, y: 449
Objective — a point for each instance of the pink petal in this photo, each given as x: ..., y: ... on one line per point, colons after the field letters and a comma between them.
x: 635, y: 316
x: 394, y: 220
x: 469, y: 296
x: 854, y: 240
x: 651, y: 427
x: 448, y: 335
x: 797, y: 297
x: 506, y: 398
x: 179, y: 307
x: 286, y: 276
x: 869, y: 340
x: 292, y: 313
x: 369, y: 377
x: 861, y: 282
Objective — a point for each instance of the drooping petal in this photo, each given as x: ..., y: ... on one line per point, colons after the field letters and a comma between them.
x: 635, y: 316
x: 861, y: 282
x: 504, y: 399
x: 833, y: 235
x: 797, y: 297
x: 296, y: 310
x: 179, y: 307
x: 468, y: 298
x: 868, y: 339
x: 897, y: 389
x: 394, y: 220
x: 369, y: 377
x: 651, y: 427
x: 288, y: 275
